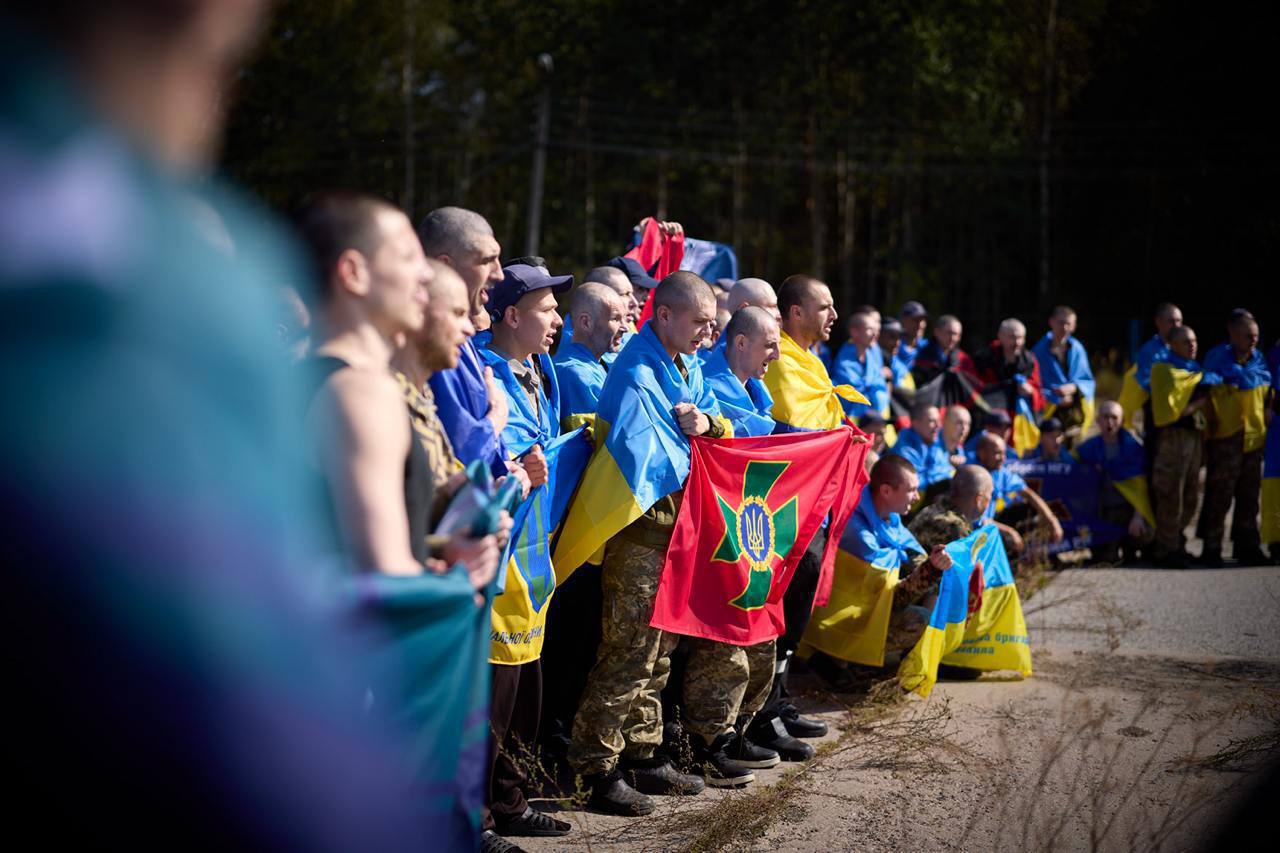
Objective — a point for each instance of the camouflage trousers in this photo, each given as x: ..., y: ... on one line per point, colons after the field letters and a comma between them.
x: 722, y: 682
x: 1175, y: 483
x: 1231, y: 474
x: 621, y: 708
x: 906, y: 627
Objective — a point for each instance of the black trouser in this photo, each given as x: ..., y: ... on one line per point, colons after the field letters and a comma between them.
x: 569, y: 650
x: 515, y: 705
x: 797, y: 607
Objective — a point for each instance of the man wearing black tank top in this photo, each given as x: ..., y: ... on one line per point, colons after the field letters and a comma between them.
x: 373, y: 294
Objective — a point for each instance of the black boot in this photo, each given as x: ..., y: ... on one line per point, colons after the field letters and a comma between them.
x: 1250, y: 555
x: 772, y: 734
x: 532, y: 824
x: 798, y: 726
x: 741, y: 750
x: 1210, y: 558
x: 492, y: 842
x: 717, y: 768
x: 611, y: 794
x: 658, y: 776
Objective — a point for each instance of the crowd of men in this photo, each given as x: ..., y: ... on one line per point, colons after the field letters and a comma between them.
x: 432, y: 355
x: 162, y: 467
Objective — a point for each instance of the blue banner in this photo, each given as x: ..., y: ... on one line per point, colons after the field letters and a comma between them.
x: 1071, y: 490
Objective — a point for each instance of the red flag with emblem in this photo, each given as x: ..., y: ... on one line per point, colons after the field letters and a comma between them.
x: 751, y: 507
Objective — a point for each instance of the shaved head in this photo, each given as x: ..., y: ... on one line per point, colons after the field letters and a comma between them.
x: 599, y: 317
x: 750, y: 321
x: 970, y: 480
x: 751, y: 291
x: 592, y: 298
x: 681, y: 291
x: 612, y: 277
x: 452, y: 231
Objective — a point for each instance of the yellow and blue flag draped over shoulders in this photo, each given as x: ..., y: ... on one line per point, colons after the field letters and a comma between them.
x: 1077, y: 372
x: 854, y: 623
x: 865, y: 375
x: 1026, y: 434
x: 520, y: 611
x: 803, y: 396
x: 993, y: 638
x: 1240, y: 401
x: 1127, y: 470
x: 1174, y: 380
x: 641, y: 454
x: 580, y: 376
x: 746, y: 406
x: 1136, y: 386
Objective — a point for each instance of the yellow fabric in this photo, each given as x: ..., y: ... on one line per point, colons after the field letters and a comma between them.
x: 1131, y: 395
x: 803, y: 395
x: 603, y: 505
x: 919, y: 669
x: 1026, y: 434
x: 854, y: 623
x: 571, y: 422
x: 1135, y: 491
x: 1270, y: 510
x: 1241, y: 410
x: 517, y: 630
x: 995, y: 637
x: 908, y: 382
x: 890, y: 435
x: 1171, y: 390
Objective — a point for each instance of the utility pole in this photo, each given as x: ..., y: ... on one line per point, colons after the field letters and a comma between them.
x: 538, y: 178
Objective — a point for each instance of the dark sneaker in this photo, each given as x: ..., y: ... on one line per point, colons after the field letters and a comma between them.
x: 772, y: 734
x: 612, y: 795
x: 798, y: 726
x: 717, y: 768
x: 742, y: 751
x: 533, y: 824
x: 492, y: 842
x: 1210, y: 558
x: 1250, y: 556
x: 659, y: 776
x: 1173, y: 560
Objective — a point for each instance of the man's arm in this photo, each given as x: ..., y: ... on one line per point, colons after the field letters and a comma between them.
x: 1042, y: 510
x: 364, y: 415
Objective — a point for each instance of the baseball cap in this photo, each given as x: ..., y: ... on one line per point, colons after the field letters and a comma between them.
x: 891, y: 326
x: 997, y: 417
x: 912, y: 309
x: 519, y: 279
x: 637, y: 274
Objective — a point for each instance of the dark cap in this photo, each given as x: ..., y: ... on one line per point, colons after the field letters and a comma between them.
x: 891, y: 325
x: 997, y: 417
x: 637, y: 274
x: 519, y: 279
x: 912, y: 309
x: 1051, y: 425
x: 871, y: 419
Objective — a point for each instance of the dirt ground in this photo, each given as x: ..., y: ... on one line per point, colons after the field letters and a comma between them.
x: 1138, y: 731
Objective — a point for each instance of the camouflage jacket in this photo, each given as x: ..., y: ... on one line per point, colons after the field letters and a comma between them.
x: 936, y: 524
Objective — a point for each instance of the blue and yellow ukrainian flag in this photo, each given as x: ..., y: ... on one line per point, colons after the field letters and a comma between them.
x: 1173, y: 380
x: 1077, y: 372
x: 1271, y: 488
x: 1127, y: 470
x: 1136, y: 385
x: 1026, y: 434
x: 1240, y: 401
x: 803, y: 396
x: 641, y: 454
x: 993, y: 638
x: 854, y: 623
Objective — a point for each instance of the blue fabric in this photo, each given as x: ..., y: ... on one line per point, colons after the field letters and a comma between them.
x: 866, y: 375
x: 1034, y: 455
x: 901, y: 367
x: 610, y: 357
x: 1007, y: 486
x: 638, y: 402
x: 1052, y: 375
x: 525, y: 427
x: 709, y: 259
x: 1152, y: 351
x: 1130, y: 462
x: 746, y: 406
x: 462, y: 401
x: 581, y: 377
x: 931, y: 460
x: 1222, y: 361
x: 907, y: 354
x: 882, y: 542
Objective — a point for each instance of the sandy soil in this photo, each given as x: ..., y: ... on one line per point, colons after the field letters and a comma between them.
x: 1125, y: 738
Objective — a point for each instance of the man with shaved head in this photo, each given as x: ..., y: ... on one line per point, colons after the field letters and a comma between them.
x: 617, y: 281
x: 599, y: 322
x: 618, y: 726
x: 1008, y: 367
x: 1123, y: 498
x: 861, y: 364
x: 753, y: 291
x: 1136, y: 388
x: 1011, y: 496
x: 942, y: 353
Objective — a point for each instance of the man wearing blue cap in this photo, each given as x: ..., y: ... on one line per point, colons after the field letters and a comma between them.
x: 523, y: 324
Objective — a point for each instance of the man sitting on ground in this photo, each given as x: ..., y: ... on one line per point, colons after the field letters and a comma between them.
x: 955, y: 429
x: 920, y: 446
x: 942, y: 353
x: 1012, y: 500
x: 859, y: 363
x: 1123, y: 499
x: 1008, y: 370
x: 1052, y: 446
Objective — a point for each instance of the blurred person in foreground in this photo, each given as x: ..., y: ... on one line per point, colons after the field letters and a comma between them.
x: 176, y: 659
